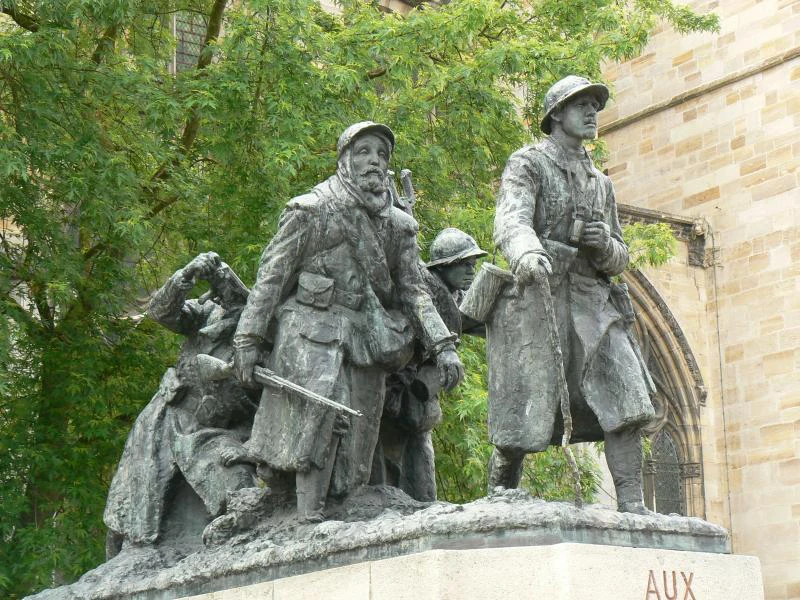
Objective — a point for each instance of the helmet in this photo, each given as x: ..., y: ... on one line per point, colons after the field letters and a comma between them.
x: 566, y: 88
x: 357, y: 129
x: 451, y: 246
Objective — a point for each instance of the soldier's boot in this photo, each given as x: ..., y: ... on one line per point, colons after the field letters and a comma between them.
x: 505, y: 469
x: 624, y: 456
x: 312, y: 487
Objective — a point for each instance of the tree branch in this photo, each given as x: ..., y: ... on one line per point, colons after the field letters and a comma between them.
x: 192, y: 126
x: 21, y: 19
x: 20, y: 313
x: 40, y: 301
x: 105, y: 44
x: 212, y: 34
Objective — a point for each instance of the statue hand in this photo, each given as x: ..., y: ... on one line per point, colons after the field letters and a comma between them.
x: 202, y: 266
x: 533, y: 268
x: 596, y: 234
x: 341, y: 424
x: 451, y: 371
x: 245, y: 359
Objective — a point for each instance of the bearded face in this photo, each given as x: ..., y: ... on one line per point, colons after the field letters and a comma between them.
x: 370, y: 161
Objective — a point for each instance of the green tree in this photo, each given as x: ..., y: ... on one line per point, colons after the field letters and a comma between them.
x: 114, y: 172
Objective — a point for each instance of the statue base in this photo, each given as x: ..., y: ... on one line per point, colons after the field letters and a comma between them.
x: 557, y: 572
x: 386, y: 543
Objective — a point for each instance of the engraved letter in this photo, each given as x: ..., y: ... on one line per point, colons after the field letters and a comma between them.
x: 674, y: 595
x: 688, y: 582
x: 652, y: 588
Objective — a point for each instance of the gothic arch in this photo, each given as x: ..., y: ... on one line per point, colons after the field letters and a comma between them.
x: 680, y: 390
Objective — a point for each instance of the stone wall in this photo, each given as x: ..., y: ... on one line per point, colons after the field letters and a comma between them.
x: 706, y: 126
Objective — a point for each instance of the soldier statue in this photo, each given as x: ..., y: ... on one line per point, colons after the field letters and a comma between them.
x: 556, y: 223
x: 337, y: 304
x: 405, y: 457
x: 453, y: 255
x: 190, y: 424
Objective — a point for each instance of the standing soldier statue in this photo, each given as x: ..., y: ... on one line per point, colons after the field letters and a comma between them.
x: 337, y: 305
x: 405, y: 458
x: 564, y: 331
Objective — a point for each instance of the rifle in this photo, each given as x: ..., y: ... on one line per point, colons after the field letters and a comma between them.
x: 409, y: 198
x: 212, y: 369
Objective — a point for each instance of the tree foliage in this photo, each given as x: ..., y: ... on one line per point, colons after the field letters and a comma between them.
x: 114, y: 172
x: 650, y: 244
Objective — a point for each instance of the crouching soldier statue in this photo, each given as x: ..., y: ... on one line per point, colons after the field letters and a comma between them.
x: 175, y: 451
x: 405, y: 457
x: 556, y: 223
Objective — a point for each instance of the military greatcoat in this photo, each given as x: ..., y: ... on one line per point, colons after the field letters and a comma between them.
x: 609, y: 387
x: 186, y: 425
x: 346, y: 296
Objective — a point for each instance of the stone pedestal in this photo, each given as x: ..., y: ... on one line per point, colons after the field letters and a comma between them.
x: 557, y: 572
x: 381, y: 544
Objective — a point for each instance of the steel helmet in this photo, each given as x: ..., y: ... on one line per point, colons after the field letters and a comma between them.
x: 567, y: 88
x: 357, y: 129
x: 453, y: 245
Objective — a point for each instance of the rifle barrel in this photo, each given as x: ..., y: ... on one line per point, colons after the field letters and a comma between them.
x: 267, y: 377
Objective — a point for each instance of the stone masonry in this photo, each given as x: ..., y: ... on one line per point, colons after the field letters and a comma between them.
x: 706, y: 126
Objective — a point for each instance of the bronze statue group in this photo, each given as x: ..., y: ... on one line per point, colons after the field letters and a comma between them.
x: 343, y: 308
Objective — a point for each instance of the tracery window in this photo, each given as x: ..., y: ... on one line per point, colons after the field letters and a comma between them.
x: 662, y: 476
x: 672, y: 472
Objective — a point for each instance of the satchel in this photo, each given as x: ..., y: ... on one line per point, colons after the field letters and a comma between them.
x: 420, y: 410
x: 314, y: 290
x: 390, y: 339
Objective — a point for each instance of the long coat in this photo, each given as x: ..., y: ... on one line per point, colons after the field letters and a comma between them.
x: 185, y: 426
x: 609, y: 387
x: 343, y: 288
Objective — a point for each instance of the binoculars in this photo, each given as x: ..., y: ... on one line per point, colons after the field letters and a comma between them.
x: 579, y: 220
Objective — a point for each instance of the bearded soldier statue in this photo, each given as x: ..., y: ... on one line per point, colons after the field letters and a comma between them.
x: 337, y: 305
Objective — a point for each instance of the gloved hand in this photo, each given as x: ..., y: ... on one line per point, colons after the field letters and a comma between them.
x: 532, y: 268
x: 245, y: 359
x: 200, y: 267
x: 451, y: 370
x: 596, y: 234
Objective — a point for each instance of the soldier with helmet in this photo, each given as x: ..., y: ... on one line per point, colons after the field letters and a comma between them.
x: 405, y: 456
x: 556, y: 223
x: 453, y: 255
x: 337, y: 304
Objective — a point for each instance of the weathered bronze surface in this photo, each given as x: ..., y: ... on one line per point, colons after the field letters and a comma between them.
x: 174, y: 453
x: 404, y: 456
x: 556, y: 223
x: 341, y: 282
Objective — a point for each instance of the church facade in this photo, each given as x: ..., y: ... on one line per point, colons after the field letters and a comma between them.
x: 702, y: 133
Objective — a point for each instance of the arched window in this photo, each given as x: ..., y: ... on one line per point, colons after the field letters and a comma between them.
x: 673, y: 474
x: 662, y: 476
